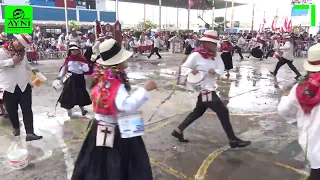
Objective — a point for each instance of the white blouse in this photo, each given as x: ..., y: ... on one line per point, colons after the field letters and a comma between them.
x: 308, y: 126
x: 74, y: 67
x: 126, y: 102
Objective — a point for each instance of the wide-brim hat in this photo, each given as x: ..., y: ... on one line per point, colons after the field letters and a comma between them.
x: 111, y: 53
x: 24, y: 39
x: 210, y: 36
x: 73, y: 46
x: 3, y: 36
x: 225, y: 38
x: 286, y: 36
x: 313, y: 62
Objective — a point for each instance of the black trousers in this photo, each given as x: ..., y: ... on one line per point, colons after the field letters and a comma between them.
x: 284, y: 61
x: 269, y: 53
x: 314, y: 174
x: 215, y: 105
x: 24, y: 99
x: 239, y: 51
x: 155, y: 50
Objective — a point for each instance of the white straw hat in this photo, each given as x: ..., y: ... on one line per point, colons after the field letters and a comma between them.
x: 210, y: 36
x: 3, y: 36
x: 313, y: 62
x: 73, y: 45
x: 225, y: 38
x: 111, y: 53
x: 286, y: 36
x: 24, y: 39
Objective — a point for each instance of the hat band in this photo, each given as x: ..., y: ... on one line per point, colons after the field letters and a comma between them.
x: 314, y: 62
x: 210, y: 36
x: 106, y: 55
x: 25, y: 38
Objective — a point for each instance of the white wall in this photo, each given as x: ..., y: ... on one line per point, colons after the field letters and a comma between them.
x: 101, y: 5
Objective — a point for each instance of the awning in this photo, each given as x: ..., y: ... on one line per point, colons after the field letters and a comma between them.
x: 219, y: 4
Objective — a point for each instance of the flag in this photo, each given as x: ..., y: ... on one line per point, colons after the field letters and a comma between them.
x: 191, y: 3
x: 289, y: 29
x: 274, y: 23
x: 285, y: 24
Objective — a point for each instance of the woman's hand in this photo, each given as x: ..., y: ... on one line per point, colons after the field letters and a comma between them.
x: 212, y: 71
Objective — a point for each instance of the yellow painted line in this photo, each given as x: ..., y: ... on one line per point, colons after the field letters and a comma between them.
x: 202, y: 171
x: 161, y: 124
x: 299, y: 171
x: 170, y: 170
x: 202, y: 137
x: 181, y: 109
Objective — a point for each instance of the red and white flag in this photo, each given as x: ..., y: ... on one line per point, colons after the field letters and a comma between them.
x: 285, y: 24
x: 289, y: 27
x: 274, y: 23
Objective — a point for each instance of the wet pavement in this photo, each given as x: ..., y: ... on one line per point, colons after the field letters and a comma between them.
x: 250, y: 93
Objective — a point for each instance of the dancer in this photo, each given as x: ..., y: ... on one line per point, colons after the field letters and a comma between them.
x: 157, y: 44
x: 226, y: 48
x: 3, y: 39
x: 120, y: 158
x: 287, y: 57
x: 241, y: 42
x: 14, y: 80
x: 72, y: 74
x: 276, y: 46
x: 95, y: 47
x: 206, y: 60
x: 256, y: 51
x: 303, y: 101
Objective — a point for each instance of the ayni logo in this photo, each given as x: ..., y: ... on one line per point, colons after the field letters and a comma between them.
x: 18, y: 19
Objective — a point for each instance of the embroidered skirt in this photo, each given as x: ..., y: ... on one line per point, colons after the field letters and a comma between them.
x: 74, y: 92
x: 127, y: 160
x: 227, y: 60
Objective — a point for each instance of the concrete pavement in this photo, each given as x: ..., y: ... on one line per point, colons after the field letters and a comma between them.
x: 250, y: 92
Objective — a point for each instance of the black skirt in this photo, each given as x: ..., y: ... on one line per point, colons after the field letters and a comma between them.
x: 256, y: 52
x: 127, y: 160
x: 74, y: 92
x: 227, y: 60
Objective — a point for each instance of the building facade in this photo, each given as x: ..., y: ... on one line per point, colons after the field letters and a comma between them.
x: 49, y: 15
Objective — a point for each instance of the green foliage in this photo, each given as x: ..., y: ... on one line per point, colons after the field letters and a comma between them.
x: 148, y: 26
x: 74, y: 24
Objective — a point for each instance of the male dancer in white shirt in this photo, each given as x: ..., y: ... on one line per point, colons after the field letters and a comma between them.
x: 14, y: 80
x: 287, y: 57
x: 206, y: 60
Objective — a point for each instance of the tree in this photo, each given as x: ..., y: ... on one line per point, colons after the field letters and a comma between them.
x: 149, y: 25
x: 74, y: 24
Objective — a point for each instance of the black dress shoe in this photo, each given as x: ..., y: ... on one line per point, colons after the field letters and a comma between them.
x: 84, y: 112
x: 179, y: 136
x: 273, y: 73
x: 32, y: 137
x: 16, y: 132
x: 238, y: 143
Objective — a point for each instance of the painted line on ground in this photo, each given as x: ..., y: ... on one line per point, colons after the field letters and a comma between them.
x: 170, y: 170
x: 202, y: 171
x: 299, y: 171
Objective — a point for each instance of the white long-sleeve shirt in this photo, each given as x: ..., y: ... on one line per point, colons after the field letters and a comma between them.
x: 308, y: 126
x: 74, y: 67
x: 196, y: 61
x: 126, y: 103
x: 287, y: 50
x: 11, y: 76
x: 241, y: 42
